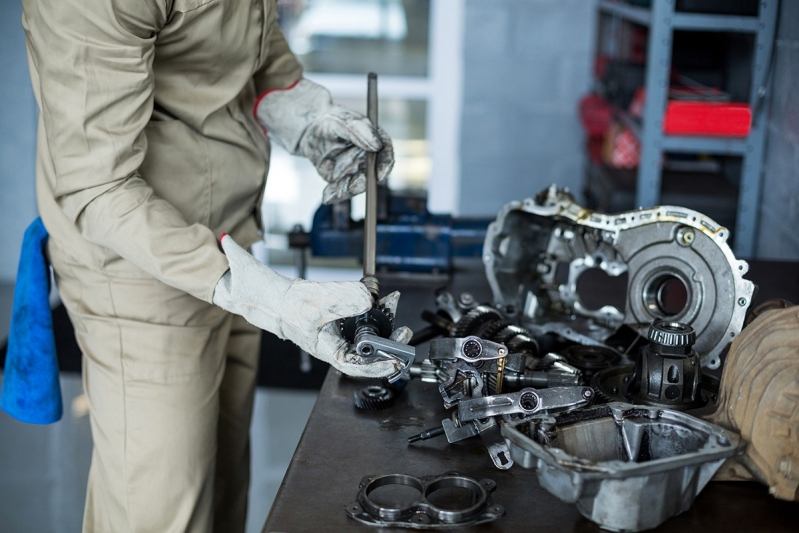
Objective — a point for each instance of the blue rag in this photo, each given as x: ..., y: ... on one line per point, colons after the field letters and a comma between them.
x: 31, y: 390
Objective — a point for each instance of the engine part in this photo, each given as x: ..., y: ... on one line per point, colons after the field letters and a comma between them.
x: 370, y: 333
x: 489, y: 323
x: 377, y: 321
x: 539, y: 379
x: 471, y: 349
x: 591, y: 359
x: 677, y: 262
x: 526, y: 402
x: 369, y: 345
x: 627, y: 468
x: 609, y: 386
x: 474, y: 506
x: 374, y: 398
x: 667, y: 372
x: 760, y: 399
x: 427, y: 434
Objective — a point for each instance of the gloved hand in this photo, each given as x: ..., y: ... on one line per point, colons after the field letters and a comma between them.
x: 304, y: 312
x: 306, y: 122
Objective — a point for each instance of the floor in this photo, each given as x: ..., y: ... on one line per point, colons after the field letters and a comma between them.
x: 43, y: 469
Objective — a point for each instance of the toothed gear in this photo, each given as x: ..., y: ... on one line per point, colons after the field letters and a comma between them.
x: 508, y: 332
x: 374, y: 398
x: 608, y: 384
x: 523, y: 344
x: 379, y: 317
x: 473, y: 321
x: 493, y: 330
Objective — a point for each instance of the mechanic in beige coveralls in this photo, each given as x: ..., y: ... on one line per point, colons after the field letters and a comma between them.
x: 151, y: 146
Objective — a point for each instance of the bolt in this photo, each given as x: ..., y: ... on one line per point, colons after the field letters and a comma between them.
x: 587, y: 393
x: 742, y: 301
x: 686, y: 236
x: 466, y: 299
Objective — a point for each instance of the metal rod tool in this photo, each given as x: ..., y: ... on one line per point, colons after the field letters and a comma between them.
x: 370, y: 219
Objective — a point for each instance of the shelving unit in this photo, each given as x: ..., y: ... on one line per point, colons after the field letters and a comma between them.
x: 662, y: 20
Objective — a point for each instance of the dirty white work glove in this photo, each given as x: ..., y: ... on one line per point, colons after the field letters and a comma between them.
x: 304, y: 119
x: 304, y: 312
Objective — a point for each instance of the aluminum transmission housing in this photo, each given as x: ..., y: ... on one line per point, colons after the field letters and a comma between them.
x: 628, y: 468
x: 677, y: 262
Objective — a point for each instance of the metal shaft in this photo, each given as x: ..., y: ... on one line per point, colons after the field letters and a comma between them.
x: 370, y: 219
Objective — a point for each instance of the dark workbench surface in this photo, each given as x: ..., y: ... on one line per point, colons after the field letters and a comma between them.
x: 341, y: 445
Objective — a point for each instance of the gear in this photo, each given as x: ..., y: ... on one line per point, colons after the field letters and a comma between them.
x: 590, y: 359
x: 523, y: 344
x: 374, y: 398
x: 475, y: 320
x: 378, y: 318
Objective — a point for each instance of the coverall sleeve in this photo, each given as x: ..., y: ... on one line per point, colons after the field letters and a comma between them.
x: 94, y: 81
x: 281, y: 69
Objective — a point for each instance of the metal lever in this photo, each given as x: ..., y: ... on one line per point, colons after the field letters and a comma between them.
x: 368, y: 345
x: 525, y: 402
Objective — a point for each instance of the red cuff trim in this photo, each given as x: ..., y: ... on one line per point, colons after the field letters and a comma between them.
x: 270, y: 91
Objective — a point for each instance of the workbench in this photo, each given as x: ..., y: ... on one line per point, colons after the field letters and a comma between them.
x: 341, y: 445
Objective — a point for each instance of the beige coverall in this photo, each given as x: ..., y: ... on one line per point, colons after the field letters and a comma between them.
x: 147, y: 152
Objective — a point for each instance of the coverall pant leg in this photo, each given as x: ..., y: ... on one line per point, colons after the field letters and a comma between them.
x: 170, y: 381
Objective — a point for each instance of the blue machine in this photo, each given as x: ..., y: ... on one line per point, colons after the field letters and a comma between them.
x: 409, y: 237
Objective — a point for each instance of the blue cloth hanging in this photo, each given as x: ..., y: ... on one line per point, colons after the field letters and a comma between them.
x: 31, y: 391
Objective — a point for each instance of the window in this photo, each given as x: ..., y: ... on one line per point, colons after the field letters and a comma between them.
x: 414, y: 47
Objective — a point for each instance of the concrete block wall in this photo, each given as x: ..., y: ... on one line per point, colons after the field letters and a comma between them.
x: 779, y: 209
x: 18, y: 115
x: 526, y: 65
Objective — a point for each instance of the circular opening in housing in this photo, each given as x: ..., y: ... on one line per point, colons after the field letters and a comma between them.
x: 666, y: 295
x: 455, y: 494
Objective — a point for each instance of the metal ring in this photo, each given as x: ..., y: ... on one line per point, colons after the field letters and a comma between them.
x: 390, y: 513
x: 455, y: 516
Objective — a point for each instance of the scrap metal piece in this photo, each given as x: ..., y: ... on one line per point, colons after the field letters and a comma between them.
x: 677, y: 262
x: 525, y: 402
x: 628, y: 468
x: 422, y: 512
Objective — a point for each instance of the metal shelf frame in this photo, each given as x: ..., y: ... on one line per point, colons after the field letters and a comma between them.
x: 662, y: 20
